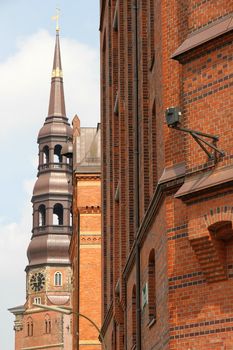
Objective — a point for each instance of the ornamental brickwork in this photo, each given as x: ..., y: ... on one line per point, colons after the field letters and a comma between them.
x: 167, y: 239
x: 85, y: 248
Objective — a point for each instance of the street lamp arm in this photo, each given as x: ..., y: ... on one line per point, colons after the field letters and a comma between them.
x: 69, y: 312
x: 54, y: 308
x: 94, y: 324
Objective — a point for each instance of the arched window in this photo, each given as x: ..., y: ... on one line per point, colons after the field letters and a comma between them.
x: 221, y: 230
x: 29, y: 327
x: 57, y: 154
x: 47, y: 324
x: 151, y: 287
x: 58, y: 214
x: 58, y: 279
x: 45, y: 155
x: 71, y: 217
x: 134, y: 316
x: 41, y: 211
x: 37, y: 300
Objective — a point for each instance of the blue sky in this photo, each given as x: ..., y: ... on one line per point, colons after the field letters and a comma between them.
x: 27, y: 36
x: 79, y: 20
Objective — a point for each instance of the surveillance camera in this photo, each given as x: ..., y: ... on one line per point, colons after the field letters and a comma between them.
x: 172, y: 115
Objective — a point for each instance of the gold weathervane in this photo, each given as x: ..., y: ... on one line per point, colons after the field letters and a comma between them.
x: 56, y: 18
x: 57, y: 72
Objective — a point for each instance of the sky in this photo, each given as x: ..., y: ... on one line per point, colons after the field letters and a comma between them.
x: 27, y: 39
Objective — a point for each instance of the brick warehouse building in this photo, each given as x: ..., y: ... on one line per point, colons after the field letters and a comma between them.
x: 85, y: 247
x: 167, y: 194
x: 57, y: 276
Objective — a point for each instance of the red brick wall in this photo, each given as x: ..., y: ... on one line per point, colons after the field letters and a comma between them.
x: 39, y: 337
x: 193, y: 312
x: 90, y: 293
x: 86, y: 258
x: 201, y: 13
x: 60, y: 330
x: 74, y: 258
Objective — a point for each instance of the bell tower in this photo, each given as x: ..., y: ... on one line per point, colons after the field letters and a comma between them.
x: 52, y: 198
x: 48, y: 271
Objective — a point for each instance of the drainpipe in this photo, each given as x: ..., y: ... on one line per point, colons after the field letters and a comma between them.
x: 136, y: 177
x: 78, y: 273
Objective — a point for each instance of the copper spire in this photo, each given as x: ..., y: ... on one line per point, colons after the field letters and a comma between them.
x: 57, y: 100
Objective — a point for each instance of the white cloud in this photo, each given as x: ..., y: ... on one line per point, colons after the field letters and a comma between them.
x: 25, y: 83
x: 14, y: 240
x: 24, y: 96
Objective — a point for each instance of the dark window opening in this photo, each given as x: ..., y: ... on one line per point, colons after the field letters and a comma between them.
x: 42, y: 219
x: 57, y: 154
x: 47, y: 325
x: 30, y: 328
x: 45, y: 155
x: 151, y: 287
x: 58, y: 214
x: 58, y: 279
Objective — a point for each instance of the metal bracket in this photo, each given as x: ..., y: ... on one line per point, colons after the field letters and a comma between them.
x: 202, y: 142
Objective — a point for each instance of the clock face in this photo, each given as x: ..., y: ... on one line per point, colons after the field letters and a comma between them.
x: 37, y: 281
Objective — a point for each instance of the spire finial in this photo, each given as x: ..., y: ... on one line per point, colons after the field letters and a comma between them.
x: 57, y: 101
x: 56, y: 18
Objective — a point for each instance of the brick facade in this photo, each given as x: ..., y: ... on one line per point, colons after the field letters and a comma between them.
x: 37, y: 329
x: 85, y: 248
x: 167, y: 205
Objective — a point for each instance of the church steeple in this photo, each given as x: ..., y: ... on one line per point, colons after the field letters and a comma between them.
x: 52, y: 193
x: 57, y: 100
x: 49, y: 268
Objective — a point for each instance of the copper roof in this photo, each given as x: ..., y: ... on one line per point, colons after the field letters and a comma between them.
x: 57, y: 54
x: 53, y: 183
x: 204, y: 181
x: 50, y: 243
x: 88, y: 150
x: 205, y: 34
x: 172, y: 172
x: 55, y: 128
x: 49, y: 249
x: 57, y: 100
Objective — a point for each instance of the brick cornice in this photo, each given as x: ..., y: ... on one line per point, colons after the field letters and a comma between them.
x: 90, y: 210
x: 88, y: 176
x: 161, y: 190
x: 107, y: 319
x: 90, y: 239
x: 203, y: 36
